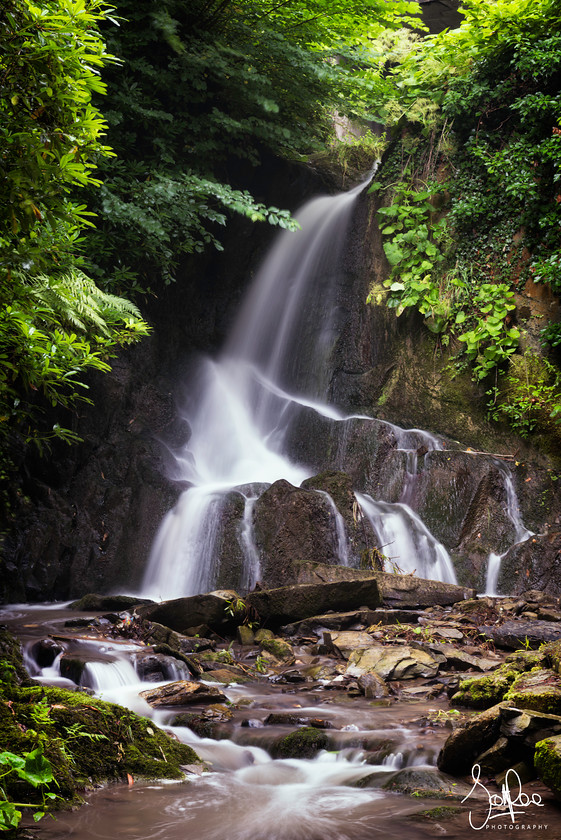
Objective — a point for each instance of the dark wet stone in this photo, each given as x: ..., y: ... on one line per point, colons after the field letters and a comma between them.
x: 100, y: 603
x: 520, y: 633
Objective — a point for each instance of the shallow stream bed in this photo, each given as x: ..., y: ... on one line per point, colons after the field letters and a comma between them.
x: 244, y: 794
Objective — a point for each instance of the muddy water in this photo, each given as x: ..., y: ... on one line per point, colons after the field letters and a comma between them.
x: 246, y: 795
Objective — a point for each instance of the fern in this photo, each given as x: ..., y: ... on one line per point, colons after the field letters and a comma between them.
x: 75, y: 301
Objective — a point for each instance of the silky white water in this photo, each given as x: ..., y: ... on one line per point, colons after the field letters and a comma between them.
x: 240, y: 406
x: 276, y: 365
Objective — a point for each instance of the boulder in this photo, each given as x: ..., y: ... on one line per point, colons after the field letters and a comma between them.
x: 280, y: 649
x: 291, y: 525
x: 293, y: 603
x: 462, y: 747
x: 520, y: 633
x: 487, y: 691
x: 547, y: 762
x: 182, y: 613
x: 537, y: 690
x: 392, y: 662
x: 397, y: 591
x: 182, y: 693
x: 426, y: 782
x: 304, y: 743
x: 103, y: 603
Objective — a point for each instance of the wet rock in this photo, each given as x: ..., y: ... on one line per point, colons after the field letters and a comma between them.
x: 245, y: 635
x: 304, y: 743
x: 520, y: 633
x: 538, y: 690
x: 182, y: 693
x: 340, y: 488
x: 102, y: 603
x: 293, y: 603
x: 280, y: 649
x: 212, y: 723
x: 292, y: 525
x: 392, y: 662
x: 157, y: 667
x: 469, y: 740
x: 547, y: 762
x: 424, y: 781
x: 45, y: 651
x: 293, y: 719
x: 372, y: 686
x: 182, y: 613
x: 537, y: 561
x: 72, y: 667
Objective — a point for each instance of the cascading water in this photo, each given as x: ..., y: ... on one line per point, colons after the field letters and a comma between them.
x: 242, y: 408
x: 521, y: 533
x: 241, y: 404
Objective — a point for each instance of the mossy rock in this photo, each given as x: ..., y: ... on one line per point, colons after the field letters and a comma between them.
x: 87, y: 741
x: 303, y: 743
x: 486, y: 691
x: 280, y: 649
x: 538, y: 690
x: 547, y: 762
x: 423, y: 782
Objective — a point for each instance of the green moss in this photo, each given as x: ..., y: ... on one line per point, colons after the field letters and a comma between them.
x: 303, y: 743
x: 438, y: 813
x: 538, y: 690
x: 279, y: 649
x: 484, y: 692
x: 547, y: 762
x: 87, y: 741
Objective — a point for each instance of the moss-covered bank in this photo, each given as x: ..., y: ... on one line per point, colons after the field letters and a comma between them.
x: 87, y: 741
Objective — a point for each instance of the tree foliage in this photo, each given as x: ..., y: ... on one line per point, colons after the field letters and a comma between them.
x: 55, y: 324
x: 204, y: 89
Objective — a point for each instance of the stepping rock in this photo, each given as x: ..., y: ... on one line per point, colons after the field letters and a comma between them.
x: 183, y: 693
x: 392, y: 662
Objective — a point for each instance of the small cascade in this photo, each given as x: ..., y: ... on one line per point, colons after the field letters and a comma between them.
x: 341, y: 530
x: 252, y: 565
x: 521, y: 534
x: 108, y: 675
x: 406, y: 541
x: 416, y: 443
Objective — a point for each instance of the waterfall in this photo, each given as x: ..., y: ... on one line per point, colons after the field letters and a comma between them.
x: 241, y: 409
x: 406, y: 541
x: 275, y: 361
x: 521, y: 533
